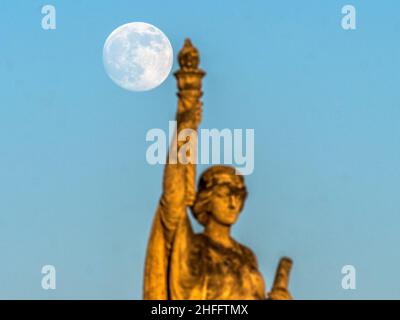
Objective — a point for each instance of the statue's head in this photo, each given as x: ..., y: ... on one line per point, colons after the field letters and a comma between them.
x: 220, y: 196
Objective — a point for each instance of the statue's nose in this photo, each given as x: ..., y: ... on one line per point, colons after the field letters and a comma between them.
x: 232, y: 202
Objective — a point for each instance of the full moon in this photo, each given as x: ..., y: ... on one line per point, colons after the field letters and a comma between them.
x: 137, y: 56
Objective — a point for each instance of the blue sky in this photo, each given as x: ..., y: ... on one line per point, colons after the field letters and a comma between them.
x: 77, y: 193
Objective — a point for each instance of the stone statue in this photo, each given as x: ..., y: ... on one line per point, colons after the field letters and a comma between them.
x: 181, y: 264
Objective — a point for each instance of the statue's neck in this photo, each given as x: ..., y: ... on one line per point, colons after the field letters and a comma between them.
x: 219, y: 233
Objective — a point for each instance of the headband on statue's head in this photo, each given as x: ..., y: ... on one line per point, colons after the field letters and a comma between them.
x: 221, y: 175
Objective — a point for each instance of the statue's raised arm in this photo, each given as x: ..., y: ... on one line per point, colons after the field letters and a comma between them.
x: 180, y: 170
x: 179, y: 175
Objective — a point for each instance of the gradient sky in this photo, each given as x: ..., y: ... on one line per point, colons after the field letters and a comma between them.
x: 76, y: 191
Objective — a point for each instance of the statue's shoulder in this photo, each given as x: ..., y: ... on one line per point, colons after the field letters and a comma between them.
x: 248, y: 254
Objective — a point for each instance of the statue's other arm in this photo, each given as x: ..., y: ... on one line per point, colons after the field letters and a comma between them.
x: 280, y: 288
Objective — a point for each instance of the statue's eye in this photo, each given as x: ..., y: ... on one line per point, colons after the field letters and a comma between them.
x: 222, y: 193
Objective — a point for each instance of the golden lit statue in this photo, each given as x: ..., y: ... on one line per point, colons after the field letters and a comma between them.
x: 210, y: 265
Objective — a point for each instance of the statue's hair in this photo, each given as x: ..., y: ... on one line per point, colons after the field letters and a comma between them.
x: 213, y: 176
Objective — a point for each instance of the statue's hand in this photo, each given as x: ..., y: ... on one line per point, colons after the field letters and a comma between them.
x: 189, y: 118
x: 280, y: 294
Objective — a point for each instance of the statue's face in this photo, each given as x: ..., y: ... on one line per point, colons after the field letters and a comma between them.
x: 225, y: 205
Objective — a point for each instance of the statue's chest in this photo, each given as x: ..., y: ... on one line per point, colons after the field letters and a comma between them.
x: 230, y: 273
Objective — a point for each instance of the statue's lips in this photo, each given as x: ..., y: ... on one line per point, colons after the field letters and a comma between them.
x: 231, y: 214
